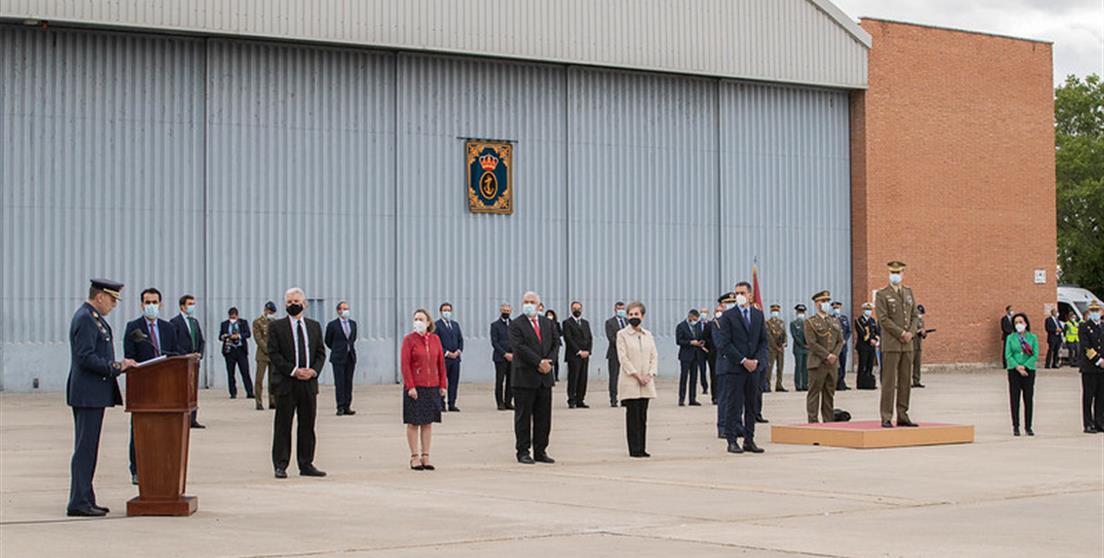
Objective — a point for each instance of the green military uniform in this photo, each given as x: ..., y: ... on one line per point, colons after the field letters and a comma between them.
x: 776, y: 343
x: 917, y: 350
x: 260, y: 337
x: 824, y: 337
x: 801, y: 353
x: 896, y: 308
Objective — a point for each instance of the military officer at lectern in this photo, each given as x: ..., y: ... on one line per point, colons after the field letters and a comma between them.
x: 896, y: 308
x: 91, y: 388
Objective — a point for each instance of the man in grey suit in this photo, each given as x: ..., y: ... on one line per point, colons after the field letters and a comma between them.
x: 613, y: 325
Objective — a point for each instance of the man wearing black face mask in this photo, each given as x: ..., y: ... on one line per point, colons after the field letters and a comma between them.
x: 296, y: 355
x: 579, y: 341
x: 502, y: 356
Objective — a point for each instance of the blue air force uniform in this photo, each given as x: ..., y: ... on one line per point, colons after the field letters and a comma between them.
x: 92, y: 386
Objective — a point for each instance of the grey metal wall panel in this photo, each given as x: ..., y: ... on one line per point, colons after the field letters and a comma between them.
x: 799, y: 41
x: 101, y: 154
x: 643, y: 197
x: 301, y: 187
x: 478, y: 261
x: 785, y: 192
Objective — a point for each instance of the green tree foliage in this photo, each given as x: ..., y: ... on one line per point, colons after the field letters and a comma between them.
x: 1079, y: 162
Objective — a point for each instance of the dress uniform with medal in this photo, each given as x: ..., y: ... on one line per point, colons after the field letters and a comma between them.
x: 92, y: 386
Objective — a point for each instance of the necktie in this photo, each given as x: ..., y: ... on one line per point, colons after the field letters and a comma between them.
x: 192, y: 333
x: 621, y: 323
x: 345, y: 327
x: 747, y: 316
x: 153, y: 339
x: 536, y: 328
x: 301, y: 344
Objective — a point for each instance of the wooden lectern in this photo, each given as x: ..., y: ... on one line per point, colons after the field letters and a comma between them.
x: 161, y: 395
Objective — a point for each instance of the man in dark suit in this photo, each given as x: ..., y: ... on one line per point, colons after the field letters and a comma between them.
x: 502, y: 356
x: 452, y: 342
x: 92, y: 386
x: 1054, y: 331
x: 234, y: 334
x: 711, y: 350
x: 579, y: 342
x: 534, y: 345
x: 688, y: 337
x: 741, y: 338
x: 146, y: 338
x: 189, y: 336
x: 1006, y: 329
x: 296, y: 356
x: 341, y: 336
x: 613, y: 325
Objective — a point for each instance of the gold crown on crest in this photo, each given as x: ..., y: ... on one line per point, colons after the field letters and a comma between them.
x: 488, y: 162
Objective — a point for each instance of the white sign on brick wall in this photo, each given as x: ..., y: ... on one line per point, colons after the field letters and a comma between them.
x: 1040, y: 276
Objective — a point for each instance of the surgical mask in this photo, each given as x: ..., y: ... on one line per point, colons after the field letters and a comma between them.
x: 774, y: 314
x: 835, y: 312
x: 190, y: 309
x: 868, y: 313
x: 447, y: 314
x: 620, y: 313
x: 294, y: 309
x: 1021, y: 327
x: 576, y: 313
x: 151, y: 311
x: 634, y: 322
x: 729, y: 305
x: 420, y: 326
x: 693, y: 321
x: 505, y: 315
x: 1094, y: 316
x: 270, y: 316
x: 718, y: 314
x: 801, y: 315
x: 825, y: 307
x: 529, y: 309
x: 895, y: 278
x: 741, y: 300
x: 345, y: 314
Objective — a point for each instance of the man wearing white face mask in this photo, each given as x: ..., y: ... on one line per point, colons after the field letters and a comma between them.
x: 534, y: 343
x: 741, y: 338
x: 825, y: 340
x: 896, y: 308
x: 1091, y: 341
x: 340, y: 338
x: 800, y: 350
x: 776, y: 335
x: 866, y: 345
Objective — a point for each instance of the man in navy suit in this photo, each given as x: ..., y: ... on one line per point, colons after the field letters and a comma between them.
x: 741, y: 340
x: 146, y: 338
x: 234, y: 334
x: 92, y: 386
x: 452, y: 341
x: 502, y: 356
x: 689, y: 336
x: 189, y: 336
x: 341, y: 336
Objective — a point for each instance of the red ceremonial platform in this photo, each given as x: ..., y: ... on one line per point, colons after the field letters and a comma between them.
x: 866, y: 434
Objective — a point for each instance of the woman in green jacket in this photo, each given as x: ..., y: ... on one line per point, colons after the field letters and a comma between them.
x: 1021, y: 351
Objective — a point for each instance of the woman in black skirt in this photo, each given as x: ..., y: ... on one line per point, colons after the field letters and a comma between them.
x: 424, y: 385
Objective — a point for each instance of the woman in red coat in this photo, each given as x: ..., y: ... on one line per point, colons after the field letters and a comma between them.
x: 424, y: 384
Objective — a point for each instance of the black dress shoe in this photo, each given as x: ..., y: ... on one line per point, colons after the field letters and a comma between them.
x: 544, y: 459
x: 571, y: 405
x: 636, y: 455
x: 907, y: 423
x: 734, y: 447
x: 768, y: 390
x: 525, y: 459
x: 101, y: 508
x: 695, y: 404
x: 1015, y: 430
x: 681, y: 404
x: 233, y: 397
x: 311, y: 471
x: 613, y: 404
x: 801, y: 389
x: 1029, y: 431
x: 750, y: 446
x: 720, y: 436
x: 918, y: 385
x: 340, y: 412
x: 781, y: 389
x: 249, y: 396
x: 1090, y: 430
x: 887, y: 424
x: 501, y: 407
x: 350, y: 412
x: 761, y: 420
x: 582, y: 405
x: 197, y: 425
x: 86, y: 512
x: 842, y: 388
x: 260, y: 407
x: 509, y: 407
x: 454, y: 409
x: 281, y: 473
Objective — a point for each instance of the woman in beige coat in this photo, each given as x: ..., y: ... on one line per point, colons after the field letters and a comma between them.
x: 636, y: 350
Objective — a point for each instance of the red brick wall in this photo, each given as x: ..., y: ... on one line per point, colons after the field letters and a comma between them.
x: 953, y: 173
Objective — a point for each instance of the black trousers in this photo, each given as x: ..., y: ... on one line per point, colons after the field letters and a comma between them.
x: 689, y: 375
x: 865, y: 371
x: 741, y: 400
x: 502, y: 392
x: 614, y: 366
x: 1021, y: 385
x: 1004, y: 361
x: 703, y: 373
x: 299, y: 401
x: 636, y: 424
x: 1074, y: 350
x: 199, y: 373
x: 239, y: 358
x: 711, y: 361
x: 1052, y: 352
x: 1092, y: 400
x: 452, y: 372
x: 840, y: 383
x: 343, y: 383
x: 577, y: 371
x: 87, y: 426
x: 532, y: 419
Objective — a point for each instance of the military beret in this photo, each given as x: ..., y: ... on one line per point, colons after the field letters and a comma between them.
x: 270, y: 306
x: 836, y: 304
x: 800, y: 307
x: 822, y: 295
x: 896, y: 266
x: 113, y: 288
x: 729, y: 297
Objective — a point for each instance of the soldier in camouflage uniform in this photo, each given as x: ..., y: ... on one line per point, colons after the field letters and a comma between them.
x: 260, y: 337
x: 824, y: 339
x: 776, y: 342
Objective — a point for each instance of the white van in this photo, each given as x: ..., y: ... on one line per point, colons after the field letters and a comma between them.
x: 1076, y: 299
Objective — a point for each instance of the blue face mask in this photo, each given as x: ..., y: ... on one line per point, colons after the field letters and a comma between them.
x: 529, y: 309
x: 1094, y: 316
x: 345, y: 314
x: 447, y: 314
x: 835, y: 312
x: 868, y: 313
x: 621, y: 313
x: 730, y: 305
x: 895, y: 278
x: 190, y: 309
x: 774, y: 314
x: 151, y: 311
